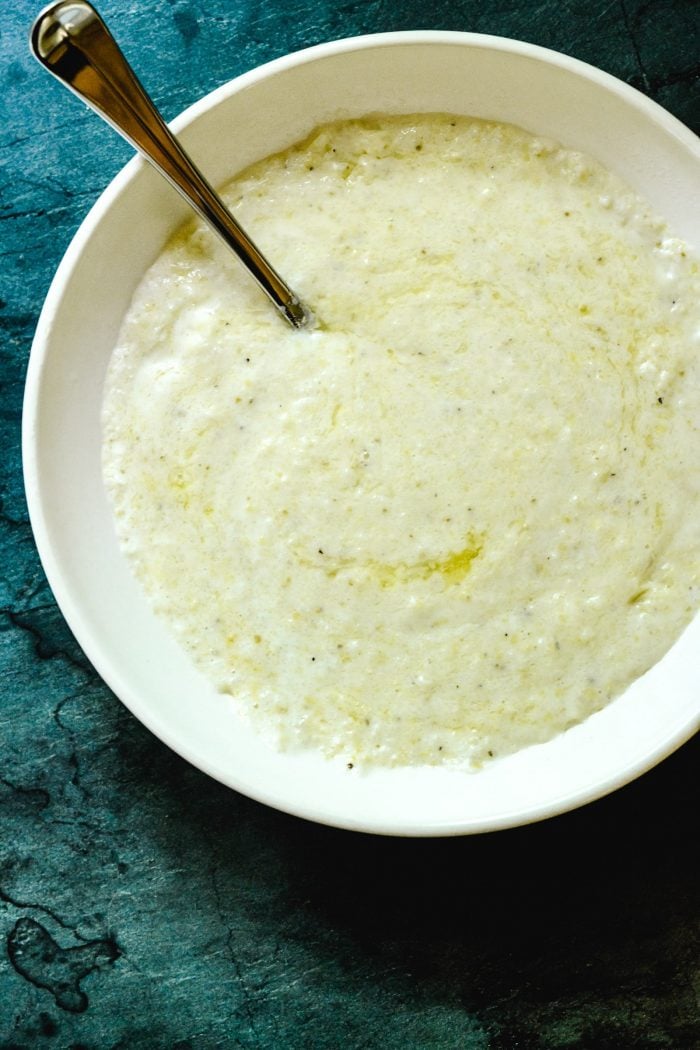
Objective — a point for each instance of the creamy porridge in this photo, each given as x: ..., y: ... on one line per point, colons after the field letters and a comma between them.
x: 462, y: 512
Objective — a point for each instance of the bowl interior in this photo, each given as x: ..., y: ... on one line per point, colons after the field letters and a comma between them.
x: 258, y: 114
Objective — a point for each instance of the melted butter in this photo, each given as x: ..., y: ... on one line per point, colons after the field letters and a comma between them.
x: 461, y: 513
x: 453, y: 567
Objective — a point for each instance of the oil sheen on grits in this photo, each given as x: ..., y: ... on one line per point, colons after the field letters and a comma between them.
x: 461, y: 513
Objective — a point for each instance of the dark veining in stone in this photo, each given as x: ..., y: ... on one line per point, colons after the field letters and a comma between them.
x: 37, y: 957
x: 49, y: 633
x: 642, y: 79
x: 35, y: 796
x: 23, y: 905
x: 684, y: 77
x: 187, y: 24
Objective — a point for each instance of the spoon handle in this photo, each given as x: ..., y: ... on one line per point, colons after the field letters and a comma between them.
x: 70, y: 40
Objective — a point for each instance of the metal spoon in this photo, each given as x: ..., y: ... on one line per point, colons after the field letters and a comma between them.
x: 70, y: 40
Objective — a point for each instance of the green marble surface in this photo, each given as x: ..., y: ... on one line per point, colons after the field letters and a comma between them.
x: 143, y: 905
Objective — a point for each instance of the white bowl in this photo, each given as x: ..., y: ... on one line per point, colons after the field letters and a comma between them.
x: 255, y: 115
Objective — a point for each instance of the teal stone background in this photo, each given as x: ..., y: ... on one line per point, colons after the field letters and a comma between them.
x: 142, y: 904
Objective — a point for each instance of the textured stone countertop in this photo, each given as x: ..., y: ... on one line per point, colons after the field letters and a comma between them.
x: 144, y: 905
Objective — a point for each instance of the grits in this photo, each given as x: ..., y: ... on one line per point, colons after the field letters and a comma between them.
x: 463, y: 512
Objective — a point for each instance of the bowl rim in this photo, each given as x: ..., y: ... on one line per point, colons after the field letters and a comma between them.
x: 60, y: 585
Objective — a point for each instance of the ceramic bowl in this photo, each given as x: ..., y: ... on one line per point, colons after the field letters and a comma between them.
x: 255, y: 115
